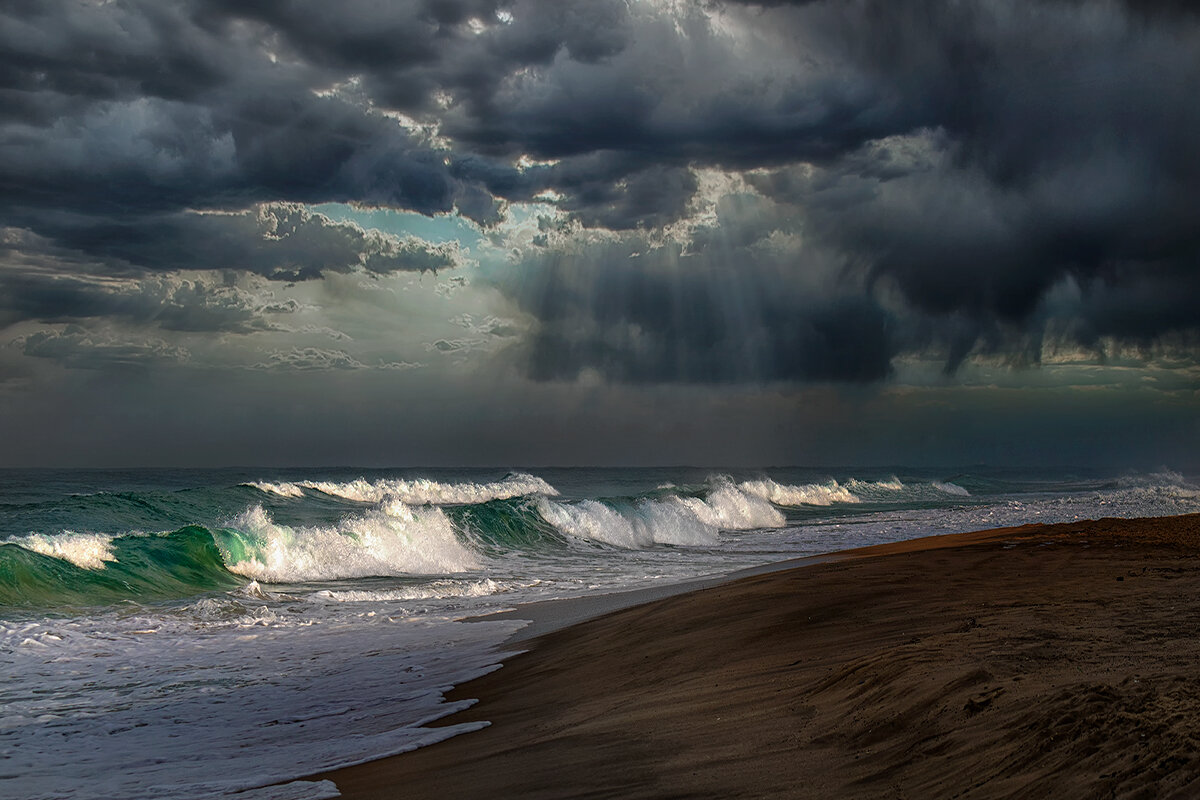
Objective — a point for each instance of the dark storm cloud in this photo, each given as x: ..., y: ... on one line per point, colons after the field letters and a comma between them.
x: 140, y: 109
x: 847, y: 341
x: 971, y: 157
x: 976, y: 172
x: 1062, y: 148
x: 717, y: 313
x: 651, y: 197
x: 170, y: 303
x: 278, y: 241
x: 138, y: 281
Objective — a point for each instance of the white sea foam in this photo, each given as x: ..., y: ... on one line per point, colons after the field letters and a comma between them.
x: 437, y: 590
x: 226, y: 611
x: 734, y: 509
x: 86, y: 550
x: 1163, y: 482
x: 267, y: 703
x: 686, y: 521
x: 417, y: 491
x: 820, y: 494
x: 672, y: 520
x: 390, y: 540
x: 892, y: 484
x: 811, y: 494
x: 281, y: 489
x: 648, y: 522
x: 951, y: 488
x: 591, y: 519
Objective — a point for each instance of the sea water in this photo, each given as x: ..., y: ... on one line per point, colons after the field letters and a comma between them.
x: 199, y: 633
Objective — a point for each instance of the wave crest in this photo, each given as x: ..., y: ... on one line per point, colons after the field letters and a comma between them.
x: 946, y: 487
x: 674, y: 520
x: 281, y: 489
x: 416, y: 491
x: 393, y: 539
x: 84, y: 550
x: 812, y: 494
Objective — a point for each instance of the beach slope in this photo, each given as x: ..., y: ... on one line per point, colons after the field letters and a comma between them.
x: 1042, y: 661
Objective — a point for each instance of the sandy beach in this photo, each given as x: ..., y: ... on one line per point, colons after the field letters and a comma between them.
x: 1041, y: 661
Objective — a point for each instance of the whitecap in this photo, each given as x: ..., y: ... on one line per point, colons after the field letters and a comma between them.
x: 86, y: 550
x: 681, y: 521
x: 281, y: 489
x: 950, y: 488
x: 811, y: 494
x: 423, y: 491
x: 391, y: 540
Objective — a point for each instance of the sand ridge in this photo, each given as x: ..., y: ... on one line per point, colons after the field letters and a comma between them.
x: 1025, y: 662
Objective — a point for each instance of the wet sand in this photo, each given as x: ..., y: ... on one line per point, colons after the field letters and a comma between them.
x: 1043, y: 661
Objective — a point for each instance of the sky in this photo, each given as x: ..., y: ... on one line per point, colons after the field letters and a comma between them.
x: 599, y: 232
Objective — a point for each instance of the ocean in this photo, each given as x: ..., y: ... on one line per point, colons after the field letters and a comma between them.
x: 199, y: 633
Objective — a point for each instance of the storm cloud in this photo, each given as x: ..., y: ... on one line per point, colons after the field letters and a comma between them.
x: 1060, y: 135
x: 633, y: 193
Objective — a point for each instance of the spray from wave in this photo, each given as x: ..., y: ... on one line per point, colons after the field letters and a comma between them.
x: 852, y: 491
x: 392, y: 539
x: 84, y: 550
x: 281, y: 489
x: 673, y: 519
x: 813, y: 494
x: 639, y: 525
x: 416, y: 491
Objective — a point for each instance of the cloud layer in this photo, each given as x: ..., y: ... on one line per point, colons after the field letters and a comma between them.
x: 960, y: 163
x: 639, y: 194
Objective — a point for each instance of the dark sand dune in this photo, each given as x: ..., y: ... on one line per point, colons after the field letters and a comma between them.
x: 1058, y: 661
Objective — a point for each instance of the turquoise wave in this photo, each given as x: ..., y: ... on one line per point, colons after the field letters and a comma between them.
x: 48, y: 573
x: 501, y: 526
x: 145, y: 568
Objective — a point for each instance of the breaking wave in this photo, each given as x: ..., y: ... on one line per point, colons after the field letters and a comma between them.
x: 84, y: 550
x: 812, y: 494
x: 392, y: 539
x: 416, y: 491
x: 419, y: 527
x: 53, y: 571
x: 851, y: 491
x: 672, y: 519
x: 281, y: 489
x: 91, y: 569
x: 951, y: 488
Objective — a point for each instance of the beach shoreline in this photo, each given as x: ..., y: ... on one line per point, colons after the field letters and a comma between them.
x: 1006, y: 662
